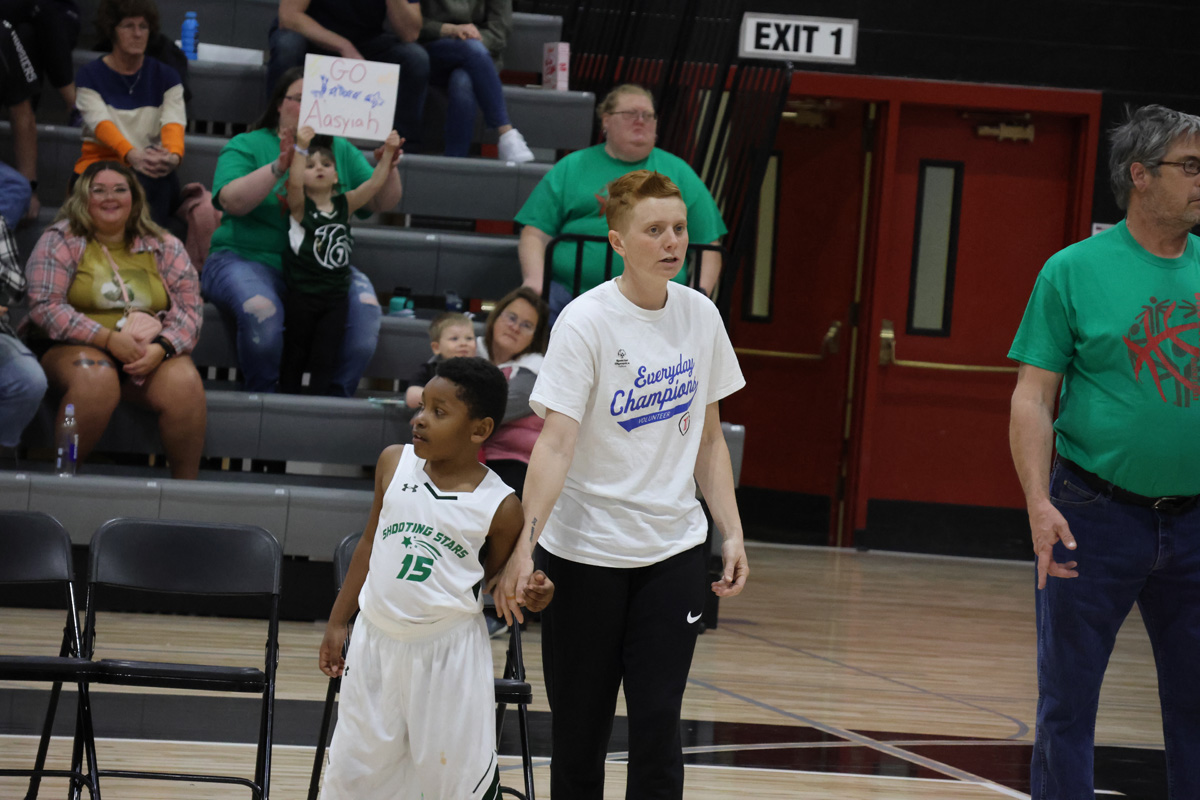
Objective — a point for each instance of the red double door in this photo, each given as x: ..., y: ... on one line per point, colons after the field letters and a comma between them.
x: 909, y: 222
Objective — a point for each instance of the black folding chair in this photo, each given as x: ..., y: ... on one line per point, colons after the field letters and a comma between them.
x: 510, y: 690
x: 341, y: 565
x: 34, y: 548
x: 191, y: 560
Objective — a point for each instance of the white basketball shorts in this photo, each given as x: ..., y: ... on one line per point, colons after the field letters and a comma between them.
x: 416, y: 719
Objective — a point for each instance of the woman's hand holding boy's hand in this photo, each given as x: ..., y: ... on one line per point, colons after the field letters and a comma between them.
x: 538, y: 591
x: 304, y: 137
x: 331, y: 661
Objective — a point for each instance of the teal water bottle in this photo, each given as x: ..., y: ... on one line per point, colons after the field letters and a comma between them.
x: 189, y: 36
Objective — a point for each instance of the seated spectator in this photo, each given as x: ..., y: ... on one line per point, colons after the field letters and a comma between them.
x: 244, y: 273
x: 355, y: 29
x: 22, y: 382
x: 18, y: 187
x: 102, y: 259
x: 451, y: 335
x: 515, y: 341
x: 132, y: 106
x: 465, y: 41
x: 565, y: 200
x: 49, y: 30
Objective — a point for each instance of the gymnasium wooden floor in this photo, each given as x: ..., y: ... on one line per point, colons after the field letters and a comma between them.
x: 837, y: 674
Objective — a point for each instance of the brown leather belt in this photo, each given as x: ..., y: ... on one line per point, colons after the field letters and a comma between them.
x: 1170, y: 504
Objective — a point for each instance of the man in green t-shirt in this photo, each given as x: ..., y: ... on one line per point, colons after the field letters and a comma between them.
x: 1113, y: 319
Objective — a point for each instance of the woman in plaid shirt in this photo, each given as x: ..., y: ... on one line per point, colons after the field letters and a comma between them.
x: 101, y: 257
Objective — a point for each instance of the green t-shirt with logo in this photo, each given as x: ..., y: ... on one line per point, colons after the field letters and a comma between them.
x: 571, y: 197
x: 1120, y: 324
x: 262, y: 235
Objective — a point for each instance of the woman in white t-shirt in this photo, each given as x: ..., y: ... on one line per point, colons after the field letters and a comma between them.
x: 630, y: 384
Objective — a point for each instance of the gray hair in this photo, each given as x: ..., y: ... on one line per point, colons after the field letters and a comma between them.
x: 1144, y: 137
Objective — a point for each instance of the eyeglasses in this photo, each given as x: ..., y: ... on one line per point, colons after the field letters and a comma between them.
x: 513, y: 319
x: 1190, y: 166
x: 105, y: 191
x: 295, y: 98
x: 639, y: 116
x: 140, y: 27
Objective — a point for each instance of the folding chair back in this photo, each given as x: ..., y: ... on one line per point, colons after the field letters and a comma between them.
x: 198, y: 560
x: 35, y: 548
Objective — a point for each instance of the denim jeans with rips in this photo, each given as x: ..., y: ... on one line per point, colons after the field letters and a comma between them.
x: 250, y: 295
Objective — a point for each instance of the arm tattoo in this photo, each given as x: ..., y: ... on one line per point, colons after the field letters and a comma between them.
x: 532, y: 529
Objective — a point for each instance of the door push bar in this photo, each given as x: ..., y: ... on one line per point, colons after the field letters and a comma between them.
x: 887, y: 356
x: 830, y: 343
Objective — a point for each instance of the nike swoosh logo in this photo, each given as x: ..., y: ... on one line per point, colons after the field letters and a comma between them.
x: 692, y: 619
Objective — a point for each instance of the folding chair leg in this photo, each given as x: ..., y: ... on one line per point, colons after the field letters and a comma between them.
x: 85, y: 741
x: 314, y: 785
x: 526, y: 753
x: 39, y: 763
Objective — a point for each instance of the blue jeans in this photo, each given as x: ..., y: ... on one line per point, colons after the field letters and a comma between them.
x: 288, y: 49
x: 14, y: 195
x: 464, y: 68
x: 22, y: 385
x: 251, y: 295
x: 1126, y: 554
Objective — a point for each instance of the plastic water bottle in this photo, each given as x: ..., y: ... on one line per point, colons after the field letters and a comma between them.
x: 67, y: 442
x: 189, y: 36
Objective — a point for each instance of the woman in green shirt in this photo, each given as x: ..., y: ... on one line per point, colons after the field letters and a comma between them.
x: 243, y: 275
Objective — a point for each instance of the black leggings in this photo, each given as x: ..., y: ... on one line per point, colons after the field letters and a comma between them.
x: 314, y: 326
x: 607, y: 625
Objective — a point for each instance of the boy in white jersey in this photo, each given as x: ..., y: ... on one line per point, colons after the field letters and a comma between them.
x: 416, y: 718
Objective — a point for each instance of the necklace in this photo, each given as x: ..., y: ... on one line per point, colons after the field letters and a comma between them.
x: 137, y: 75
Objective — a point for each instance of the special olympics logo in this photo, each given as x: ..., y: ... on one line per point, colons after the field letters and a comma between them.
x: 1165, y: 340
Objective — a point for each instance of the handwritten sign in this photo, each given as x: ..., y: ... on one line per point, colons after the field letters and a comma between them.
x: 348, y: 97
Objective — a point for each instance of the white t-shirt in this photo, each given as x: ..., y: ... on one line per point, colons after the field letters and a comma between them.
x: 425, y: 559
x: 638, y: 383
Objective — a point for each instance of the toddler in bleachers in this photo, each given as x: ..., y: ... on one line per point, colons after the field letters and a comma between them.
x: 316, y: 264
x: 451, y: 335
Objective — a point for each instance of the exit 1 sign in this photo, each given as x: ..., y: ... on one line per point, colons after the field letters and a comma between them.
x: 788, y: 38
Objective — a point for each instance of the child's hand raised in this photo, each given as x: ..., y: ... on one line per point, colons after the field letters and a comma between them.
x: 390, y: 149
x: 304, y: 137
x: 539, y: 591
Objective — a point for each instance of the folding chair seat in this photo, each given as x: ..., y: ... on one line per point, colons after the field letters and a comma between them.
x: 510, y: 690
x: 191, y: 560
x: 35, y: 548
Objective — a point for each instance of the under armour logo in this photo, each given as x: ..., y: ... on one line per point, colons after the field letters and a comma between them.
x: 409, y: 487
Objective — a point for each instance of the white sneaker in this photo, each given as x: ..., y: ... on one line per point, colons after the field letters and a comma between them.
x: 512, y: 147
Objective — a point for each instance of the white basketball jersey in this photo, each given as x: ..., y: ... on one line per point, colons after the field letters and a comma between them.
x: 425, y: 563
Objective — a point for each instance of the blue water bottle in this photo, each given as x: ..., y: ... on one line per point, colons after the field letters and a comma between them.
x: 190, y: 35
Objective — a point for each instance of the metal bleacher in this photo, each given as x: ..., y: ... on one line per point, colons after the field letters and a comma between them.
x: 307, y: 518
x: 460, y: 188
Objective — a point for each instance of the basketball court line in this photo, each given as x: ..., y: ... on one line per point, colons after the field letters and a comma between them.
x: 867, y: 741
x: 1022, y: 728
